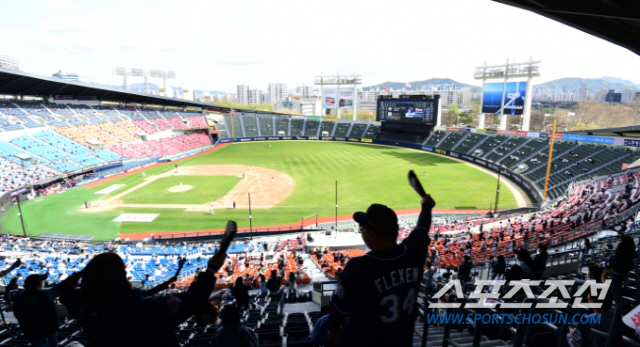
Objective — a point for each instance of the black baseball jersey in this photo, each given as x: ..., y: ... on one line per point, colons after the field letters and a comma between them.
x: 378, y: 292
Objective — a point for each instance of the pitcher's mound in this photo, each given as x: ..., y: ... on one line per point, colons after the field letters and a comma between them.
x: 182, y: 188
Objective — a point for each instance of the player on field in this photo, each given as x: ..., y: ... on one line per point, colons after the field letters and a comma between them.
x: 378, y: 291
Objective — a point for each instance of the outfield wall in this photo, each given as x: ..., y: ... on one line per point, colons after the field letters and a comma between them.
x: 520, y: 180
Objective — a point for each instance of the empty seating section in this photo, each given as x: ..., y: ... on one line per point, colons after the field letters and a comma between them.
x: 490, y: 144
x: 144, y: 150
x: 8, y: 152
x: 326, y: 128
x: 193, y: 141
x: 109, y: 112
x: 435, y: 137
x: 296, y: 127
x: 67, y: 114
x: 237, y: 127
x: 39, y: 148
x: 311, y: 128
x: 342, y: 129
x: 150, y: 114
x: 177, y: 123
x: 250, y: 126
x: 61, y: 142
x: 196, y: 122
x: 128, y: 127
x: 162, y: 124
x: 358, y: 130
x: 105, y: 139
x: 145, y: 126
x: 201, y: 138
x: 129, y: 114
x: 282, y: 127
x: 162, y: 147
x: 37, y: 112
x: 451, y: 140
x: 88, y: 113
x: 76, y: 135
x: 470, y: 142
x: 116, y: 132
x: 538, y: 164
x: 127, y: 152
x: 527, y: 152
x: 372, y: 132
x: 175, y: 143
x: 17, y: 117
x: 106, y: 155
x: 503, y: 152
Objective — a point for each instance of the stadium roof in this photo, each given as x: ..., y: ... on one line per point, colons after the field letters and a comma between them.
x: 617, y: 21
x: 632, y: 131
x: 14, y: 82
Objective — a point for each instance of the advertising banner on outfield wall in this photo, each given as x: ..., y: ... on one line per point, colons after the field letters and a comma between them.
x: 513, y: 100
x: 592, y: 139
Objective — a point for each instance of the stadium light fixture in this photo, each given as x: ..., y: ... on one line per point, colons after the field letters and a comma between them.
x: 11, y: 63
x: 164, y: 75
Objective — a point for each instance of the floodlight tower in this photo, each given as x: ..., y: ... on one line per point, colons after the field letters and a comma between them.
x: 164, y: 75
x: 141, y: 73
x: 338, y: 80
x: 120, y: 71
x: 506, y: 71
x: 11, y: 63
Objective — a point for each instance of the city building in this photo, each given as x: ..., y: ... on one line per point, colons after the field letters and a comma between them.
x: 277, y: 92
x: 627, y: 96
x: 612, y: 96
x: 67, y: 76
x: 254, y: 96
x: 584, y: 91
x: 243, y: 94
x: 305, y: 92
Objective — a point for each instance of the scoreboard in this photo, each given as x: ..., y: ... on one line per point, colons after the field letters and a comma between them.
x: 421, y: 109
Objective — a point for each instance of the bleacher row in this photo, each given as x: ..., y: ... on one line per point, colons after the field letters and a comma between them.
x: 21, y: 115
x: 571, y: 161
x: 262, y: 125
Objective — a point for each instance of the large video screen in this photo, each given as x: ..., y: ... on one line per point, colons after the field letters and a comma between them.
x: 408, y: 110
x: 514, y: 98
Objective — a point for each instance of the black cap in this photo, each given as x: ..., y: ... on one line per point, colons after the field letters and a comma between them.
x: 521, y: 251
x: 378, y: 218
x: 32, y: 281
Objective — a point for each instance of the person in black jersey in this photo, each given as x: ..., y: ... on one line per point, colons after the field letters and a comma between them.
x: 378, y: 291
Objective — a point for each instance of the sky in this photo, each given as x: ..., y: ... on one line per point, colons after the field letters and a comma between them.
x: 216, y: 45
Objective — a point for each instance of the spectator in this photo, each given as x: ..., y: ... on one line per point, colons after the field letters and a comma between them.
x: 574, y: 338
x: 427, y: 278
x: 595, y: 273
x: 499, y: 267
x: 113, y: 314
x: 35, y: 310
x: 291, y: 283
x: 371, y: 279
x: 274, y: 282
x: 13, y: 266
x: 522, y: 269
x: 231, y: 333
x: 621, y: 263
x: 464, y: 271
x: 13, y: 285
x: 240, y: 291
x: 263, y: 285
x: 539, y: 262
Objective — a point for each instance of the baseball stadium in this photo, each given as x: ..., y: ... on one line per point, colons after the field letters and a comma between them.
x: 115, y: 208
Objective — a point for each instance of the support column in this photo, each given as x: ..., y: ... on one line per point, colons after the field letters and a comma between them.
x: 503, y: 117
x: 526, y: 114
x: 481, y: 121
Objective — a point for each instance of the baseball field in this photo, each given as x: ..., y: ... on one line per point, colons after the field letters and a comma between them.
x: 286, y: 182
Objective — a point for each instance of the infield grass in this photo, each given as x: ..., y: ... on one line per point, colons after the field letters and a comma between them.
x: 204, y: 189
x: 365, y: 174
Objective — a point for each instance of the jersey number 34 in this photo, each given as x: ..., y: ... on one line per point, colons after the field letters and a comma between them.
x: 391, y: 305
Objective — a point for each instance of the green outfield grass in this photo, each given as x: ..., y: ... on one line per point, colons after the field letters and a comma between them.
x: 365, y: 174
x: 204, y: 189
